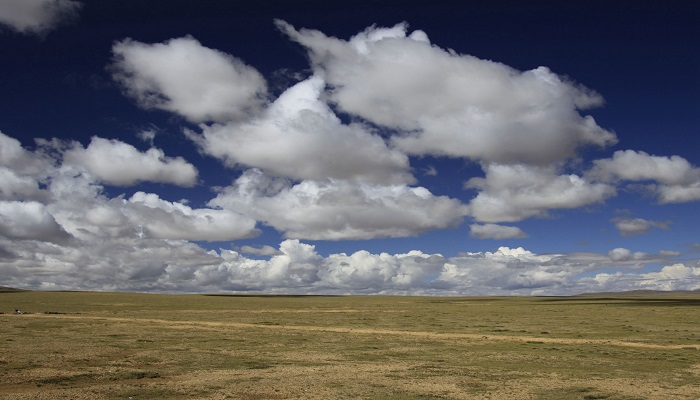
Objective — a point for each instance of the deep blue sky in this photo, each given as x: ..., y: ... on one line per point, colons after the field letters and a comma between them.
x: 640, y: 56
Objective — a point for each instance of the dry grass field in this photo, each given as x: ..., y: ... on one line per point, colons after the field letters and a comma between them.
x: 77, y: 345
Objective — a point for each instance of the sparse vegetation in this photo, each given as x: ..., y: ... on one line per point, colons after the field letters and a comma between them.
x: 121, y: 345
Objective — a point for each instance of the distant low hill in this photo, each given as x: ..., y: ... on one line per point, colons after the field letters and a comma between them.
x: 5, y: 289
x: 645, y: 293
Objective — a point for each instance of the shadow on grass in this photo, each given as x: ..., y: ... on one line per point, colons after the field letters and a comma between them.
x: 625, y: 301
x: 274, y: 296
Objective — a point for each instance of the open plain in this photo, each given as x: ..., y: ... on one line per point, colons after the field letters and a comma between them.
x: 89, y: 345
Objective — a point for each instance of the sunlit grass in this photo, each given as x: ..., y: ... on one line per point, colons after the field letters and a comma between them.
x: 113, y: 345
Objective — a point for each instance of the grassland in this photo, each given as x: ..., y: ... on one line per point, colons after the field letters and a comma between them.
x: 77, y: 345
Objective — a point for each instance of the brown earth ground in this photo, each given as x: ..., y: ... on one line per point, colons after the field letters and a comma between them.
x: 137, y: 346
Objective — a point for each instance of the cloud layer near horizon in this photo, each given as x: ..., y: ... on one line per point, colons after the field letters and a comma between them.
x: 330, y: 159
x: 141, y: 264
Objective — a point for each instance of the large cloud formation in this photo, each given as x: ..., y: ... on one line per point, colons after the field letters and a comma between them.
x: 330, y: 159
x: 186, y: 78
x: 451, y: 104
x: 55, y: 192
x: 155, y: 265
x: 298, y: 136
x: 77, y: 237
x: 336, y: 209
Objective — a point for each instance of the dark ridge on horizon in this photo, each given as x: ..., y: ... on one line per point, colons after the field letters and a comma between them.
x: 6, y: 289
x: 271, y: 295
x: 641, y: 293
x: 623, y: 295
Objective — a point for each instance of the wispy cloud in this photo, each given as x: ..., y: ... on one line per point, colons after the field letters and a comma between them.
x: 37, y: 16
x: 638, y: 226
x: 493, y: 231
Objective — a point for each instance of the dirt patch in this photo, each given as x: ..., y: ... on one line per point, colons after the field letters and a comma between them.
x: 369, y: 331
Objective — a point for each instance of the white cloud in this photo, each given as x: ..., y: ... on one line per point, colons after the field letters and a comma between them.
x: 300, y: 137
x: 148, y: 135
x: 678, y: 193
x: 117, y: 163
x: 147, y: 264
x: 162, y: 219
x: 678, y: 180
x: 639, y: 166
x: 511, y: 193
x: 37, y: 16
x: 21, y: 171
x: 622, y: 254
x: 147, y: 216
x: 366, y: 272
x: 637, y: 226
x: 670, y: 277
x: 316, y: 176
x: 449, y: 104
x: 675, y: 272
x: 19, y: 160
x: 260, y: 251
x: 71, y: 202
x: 189, y: 79
x: 29, y: 221
x: 17, y: 187
x: 493, y: 231
x: 336, y: 209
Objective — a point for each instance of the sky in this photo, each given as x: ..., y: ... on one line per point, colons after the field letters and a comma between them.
x: 365, y: 147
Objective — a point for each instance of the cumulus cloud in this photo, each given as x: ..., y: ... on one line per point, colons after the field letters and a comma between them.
x: 494, y: 231
x: 329, y: 160
x: 637, y: 226
x: 117, y: 163
x: 37, y: 16
x: 187, y: 78
x: 17, y: 187
x: 149, y: 264
x: 162, y: 219
x: 511, y: 193
x: 22, y: 172
x: 55, y: 192
x: 86, y: 213
x: 622, y: 254
x: 670, y: 277
x: 300, y: 137
x: 678, y: 181
x: 29, y: 221
x: 19, y: 160
x: 363, y: 271
x: 147, y: 216
x: 336, y: 209
x: 450, y: 104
